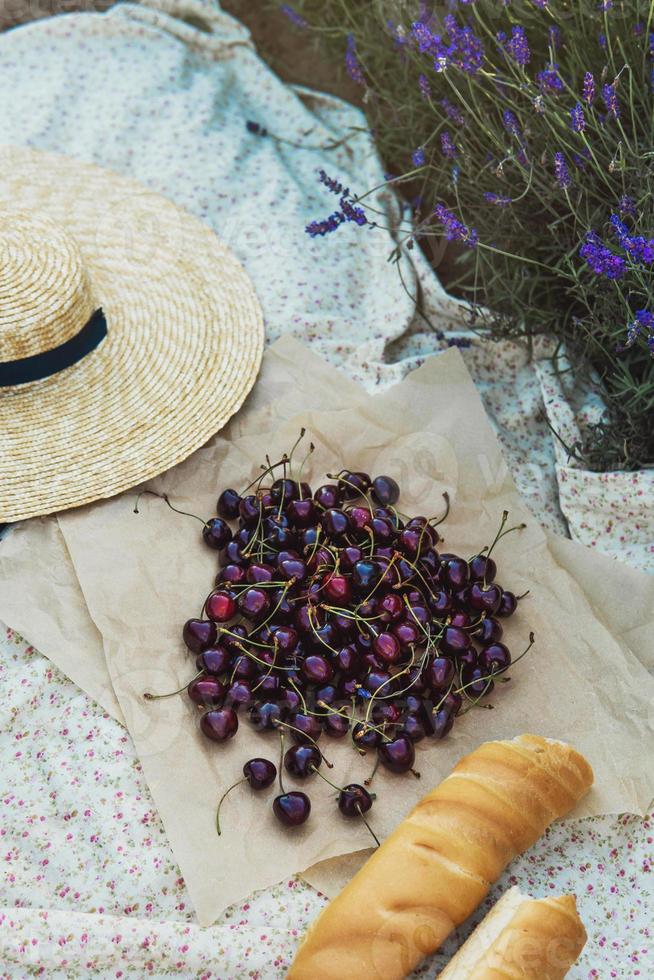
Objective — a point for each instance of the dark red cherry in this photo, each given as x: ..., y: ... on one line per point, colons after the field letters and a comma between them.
x: 387, y: 647
x: 349, y: 557
x: 217, y: 533
x: 452, y: 702
x: 488, y: 631
x: 365, y: 737
x: 290, y: 699
x: 326, y: 693
x: 309, y: 539
x: 440, y: 673
x: 233, y: 637
x: 337, y: 589
x: 413, y: 727
x: 385, y: 490
x: 335, y: 523
x: 407, y: 633
x: 442, y: 722
x: 462, y: 619
x: 336, y: 725
x: 216, y: 660
x: 301, y: 513
x: 293, y: 568
x: 207, y: 691
x: 379, y: 680
x: 348, y: 688
x: 353, y: 484
x: 221, y: 607
x: 266, y: 715
x: 467, y: 658
x: 254, y: 603
x: 244, y: 667
x: 199, y: 635
x: 285, y: 638
x: 398, y: 755
x: 306, y: 728
x: 234, y: 553
x: 324, y: 639
x: 476, y: 681
x: 383, y: 531
x: 284, y: 490
x: 457, y: 573
x: 228, y: 503
x: 250, y: 510
x: 260, y: 773
x: 328, y: 496
x: 231, y: 574
x: 292, y: 809
x: 239, y: 694
x: 485, y: 598
x: 508, y: 604
x: 348, y: 661
x: 219, y: 724
x: 267, y: 687
x: 495, y: 658
x: 482, y: 569
x: 317, y: 669
x: 258, y: 572
x: 454, y: 640
x: 360, y: 518
x: 391, y: 608
x: 440, y: 603
x: 353, y: 800
x: 301, y: 760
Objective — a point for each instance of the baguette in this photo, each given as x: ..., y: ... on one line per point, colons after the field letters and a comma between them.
x: 521, y: 938
x: 438, y: 865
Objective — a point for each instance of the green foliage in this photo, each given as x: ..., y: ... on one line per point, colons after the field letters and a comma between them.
x: 526, y: 178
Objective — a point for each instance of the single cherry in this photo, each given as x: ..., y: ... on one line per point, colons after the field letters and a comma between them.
x: 353, y: 800
x: 398, y: 754
x: 220, y: 724
x: 228, y: 503
x: 385, y: 490
x: 217, y: 533
x: 221, y: 607
x: 199, y: 635
x: 292, y: 809
x: 301, y: 760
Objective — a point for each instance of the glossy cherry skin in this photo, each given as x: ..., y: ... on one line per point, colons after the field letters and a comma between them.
x: 317, y: 669
x: 414, y: 728
x: 456, y: 572
x: 488, y: 631
x: 219, y: 725
x: 336, y: 725
x: 284, y: 490
x: 398, y: 755
x: 442, y: 722
x: 216, y: 533
x: 348, y: 661
x: 234, y: 553
x: 268, y: 687
x: 407, y: 633
x: 302, y: 513
x: 495, y: 658
x: 360, y: 518
x: 454, y: 640
x: 260, y: 773
x: 244, y: 667
x: 387, y: 647
x: 306, y: 728
x: 366, y: 573
x: 440, y: 603
x: 301, y: 760
x: 353, y: 484
x: 335, y: 523
x: 485, y: 598
x: 482, y: 569
x: 385, y: 491
x: 353, y: 800
x: 221, y: 606
x: 265, y: 716
x: 453, y: 702
x: 391, y: 608
x: 292, y: 809
x: 337, y: 589
x: 249, y: 510
x: 228, y: 503
x: 365, y: 737
x: 207, y: 691
x: 285, y: 638
x: 199, y: 634
x: 254, y: 603
x: 216, y: 660
x: 328, y: 496
x: 476, y: 681
x: 233, y: 637
x: 379, y: 680
x: 239, y: 694
x: 293, y: 568
x: 440, y: 673
x: 258, y: 572
x: 508, y: 604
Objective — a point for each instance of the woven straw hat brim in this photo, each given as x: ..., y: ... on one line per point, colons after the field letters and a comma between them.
x: 184, y: 343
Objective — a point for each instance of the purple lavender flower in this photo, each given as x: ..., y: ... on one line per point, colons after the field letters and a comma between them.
x: 455, y: 230
x: 580, y: 160
x: 541, y: 4
x: 425, y: 87
x: 644, y: 321
x: 561, y: 171
x: 510, y: 122
x: 577, y: 118
x: 324, y: 227
x: 602, y: 40
x: 453, y: 112
x: 555, y: 36
x: 333, y: 185
x: 638, y: 29
x: 353, y: 213
x: 605, y: 5
x: 448, y: 148
x: 602, y: 261
x: 549, y: 78
x: 517, y: 47
x: 627, y: 205
x: 418, y: 157
x: 499, y: 199
x: 639, y: 248
x: 293, y: 15
x: 255, y: 128
x: 588, y: 94
x: 352, y: 65
x: 423, y: 37
x: 466, y: 50
x: 611, y: 100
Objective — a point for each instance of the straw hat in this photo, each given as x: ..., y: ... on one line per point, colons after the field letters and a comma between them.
x: 128, y: 333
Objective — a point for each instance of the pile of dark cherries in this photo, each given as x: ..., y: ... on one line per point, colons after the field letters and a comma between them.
x: 335, y: 614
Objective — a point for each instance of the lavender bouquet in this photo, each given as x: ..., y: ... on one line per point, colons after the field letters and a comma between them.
x: 522, y: 130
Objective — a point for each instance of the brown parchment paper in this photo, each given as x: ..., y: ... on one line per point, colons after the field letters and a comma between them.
x: 143, y: 575
x: 41, y: 598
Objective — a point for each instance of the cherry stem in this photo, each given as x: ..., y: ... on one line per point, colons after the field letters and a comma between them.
x: 340, y: 789
x: 220, y: 802
x: 302, y: 465
x: 324, y: 758
x: 265, y: 470
x: 164, y: 496
x: 370, y: 778
x: 371, y: 831
x: 297, y: 442
x: 281, y: 759
x: 518, y: 597
x: 446, y: 498
x: 157, y: 697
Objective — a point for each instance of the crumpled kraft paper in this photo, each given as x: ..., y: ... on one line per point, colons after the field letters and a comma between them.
x: 143, y: 575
